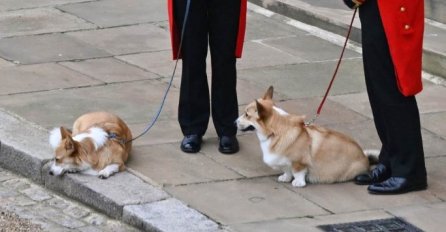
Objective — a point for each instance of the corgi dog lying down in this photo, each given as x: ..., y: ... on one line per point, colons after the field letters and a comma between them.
x: 304, y: 153
x: 99, y: 145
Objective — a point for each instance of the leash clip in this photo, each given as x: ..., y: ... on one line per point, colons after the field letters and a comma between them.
x: 311, y: 122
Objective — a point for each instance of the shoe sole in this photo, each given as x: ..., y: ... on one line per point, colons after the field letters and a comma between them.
x: 411, y: 189
x: 363, y: 183
x: 190, y: 150
x: 227, y: 152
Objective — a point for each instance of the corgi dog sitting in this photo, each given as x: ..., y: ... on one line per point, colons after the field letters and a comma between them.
x: 304, y: 153
x: 99, y: 145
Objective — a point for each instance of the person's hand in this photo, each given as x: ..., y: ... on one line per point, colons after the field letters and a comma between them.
x: 353, y: 4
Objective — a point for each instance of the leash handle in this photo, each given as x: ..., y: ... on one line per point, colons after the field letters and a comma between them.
x: 319, y: 109
x: 155, y: 118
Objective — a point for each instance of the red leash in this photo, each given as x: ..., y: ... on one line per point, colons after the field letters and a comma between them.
x: 319, y: 109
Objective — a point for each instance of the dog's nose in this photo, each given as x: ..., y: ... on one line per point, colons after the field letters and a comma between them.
x: 51, y: 173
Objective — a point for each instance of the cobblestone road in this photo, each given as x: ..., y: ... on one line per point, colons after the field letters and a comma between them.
x: 26, y: 206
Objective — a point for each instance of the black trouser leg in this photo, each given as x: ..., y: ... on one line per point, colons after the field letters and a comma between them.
x: 193, y: 109
x: 224, y: 20
x: 396, y: 116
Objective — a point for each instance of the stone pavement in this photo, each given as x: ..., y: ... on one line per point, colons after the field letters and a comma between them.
x: 60, y: 59
x: 49, y: 210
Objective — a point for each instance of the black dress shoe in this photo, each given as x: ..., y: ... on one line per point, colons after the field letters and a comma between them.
x: 228, y: 145
x: 191, y: 143
x: 397, y: 185
x: 379, y: 174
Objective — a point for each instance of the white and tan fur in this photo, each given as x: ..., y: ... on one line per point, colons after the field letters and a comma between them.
x: 90, y: 149
x: 304, y: 153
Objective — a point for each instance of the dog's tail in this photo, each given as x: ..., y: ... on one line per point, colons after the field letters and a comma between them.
x: 372, y: 155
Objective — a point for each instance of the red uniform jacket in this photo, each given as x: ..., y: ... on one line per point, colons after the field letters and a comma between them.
x: 175, y: 33
x: 403, y: 22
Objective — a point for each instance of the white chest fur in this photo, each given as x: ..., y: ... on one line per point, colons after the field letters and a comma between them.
x: 273, y: 160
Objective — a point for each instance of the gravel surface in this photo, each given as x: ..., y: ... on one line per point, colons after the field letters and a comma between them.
x: 10, y: 222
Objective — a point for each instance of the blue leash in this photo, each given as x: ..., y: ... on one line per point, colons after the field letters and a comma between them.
x: 155, y: 118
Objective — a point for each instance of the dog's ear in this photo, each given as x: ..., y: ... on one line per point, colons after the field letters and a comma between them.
x: 262, y: 111
x: 64, y: 132
x: 70, y: 145
x: 269, y: 93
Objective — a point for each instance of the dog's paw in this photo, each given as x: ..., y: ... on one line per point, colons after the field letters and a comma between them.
x: 104, y: 174
x: 102, y: 177
x: 108, y: 171
x: 298, y: 183
x: 285, y: 178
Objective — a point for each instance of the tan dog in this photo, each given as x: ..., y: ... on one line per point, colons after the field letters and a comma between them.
x: 311, y: 153
x: 98, y: 146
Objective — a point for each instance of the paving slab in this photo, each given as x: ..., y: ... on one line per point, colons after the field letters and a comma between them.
x: 433, y: 144
x: 127, y: 39
x: 434, y: 122
x: 168, y: 215
x: 431, y: 99
x: 164, y: 131
x: 39, y: 21
x: 7, y: 5
x: 109, y: 195
x: 247, y: 90
x: 47, y: 48
x: 428, y: 217
x: 166, y: 164
x: 434, y: 32
x: 133, y: 102
x: 359, y: 102
x: 332, y: 113
x: 34, y: 78
x: 5, y: 63
x: 160, y: 62
x: 110, y: 13
x: 109, y: 70
x: 52, y: 211
x: 167, y: 130
x: 309, y: 224
x: 306, y: 46
x: 27, y: 150
x: 308, y: 79
x: 37, y: 193
x: 240, y: 201
x: 335, y: 17
x: 365, y: 134
x: 434, y: 9
x: 260, y: 27
x: 435, y: 63
x: 258, y: 54
x: 436, y: 174
x: 58, y: 218
x: 248, y: 162
x: 329, y: 15
x: 348, y: 197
